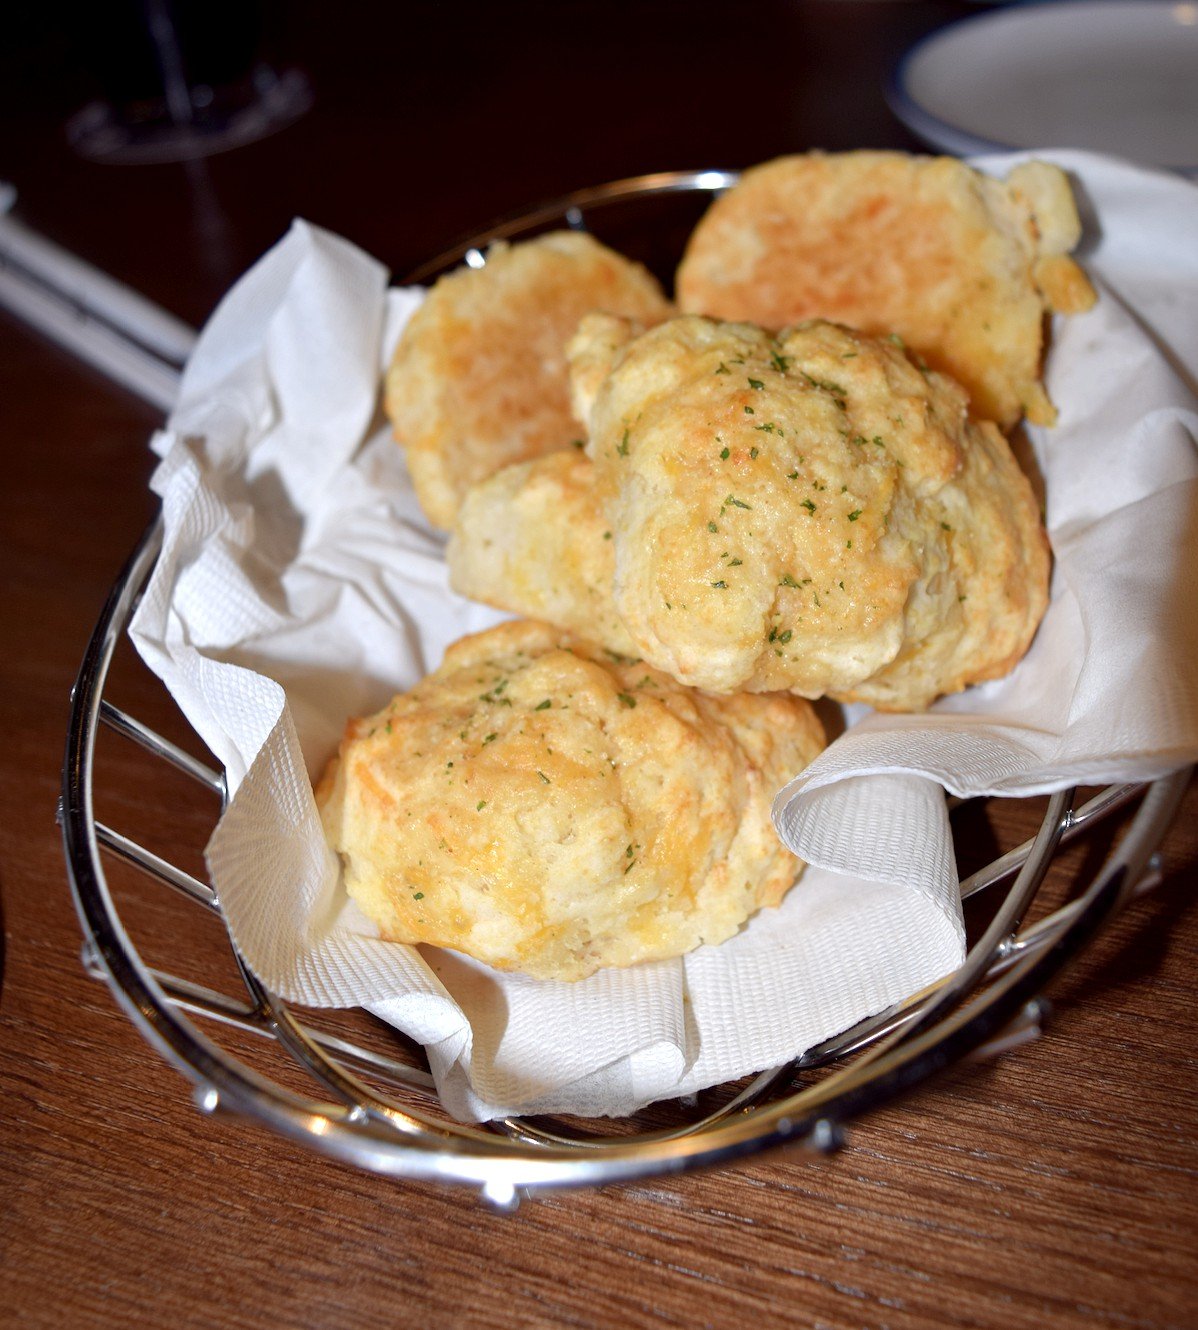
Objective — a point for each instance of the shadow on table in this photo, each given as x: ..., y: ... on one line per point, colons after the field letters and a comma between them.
x: 1142, y: 934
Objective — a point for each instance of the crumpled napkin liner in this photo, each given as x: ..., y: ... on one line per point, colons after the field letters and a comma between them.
x: 299, y: 585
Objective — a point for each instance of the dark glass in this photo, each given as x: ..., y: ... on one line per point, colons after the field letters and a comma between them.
x: 181, y: 79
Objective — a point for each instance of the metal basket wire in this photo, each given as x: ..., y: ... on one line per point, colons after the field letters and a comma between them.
x: 991, y: 1004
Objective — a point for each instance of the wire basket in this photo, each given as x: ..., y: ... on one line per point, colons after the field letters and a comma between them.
x: 377, y: 1108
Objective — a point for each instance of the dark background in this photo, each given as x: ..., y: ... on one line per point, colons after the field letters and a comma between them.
x: 431, y: 119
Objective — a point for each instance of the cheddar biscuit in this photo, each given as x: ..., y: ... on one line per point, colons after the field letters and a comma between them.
x: 548, y: 807
x: 479, y: 380
x: 810, y: 513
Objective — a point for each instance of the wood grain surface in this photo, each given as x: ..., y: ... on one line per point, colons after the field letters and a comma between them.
x: 1054, y: 1187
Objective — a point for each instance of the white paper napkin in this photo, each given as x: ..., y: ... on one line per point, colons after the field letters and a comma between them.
x: 300, y: 585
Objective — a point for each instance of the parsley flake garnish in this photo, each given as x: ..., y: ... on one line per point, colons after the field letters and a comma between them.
x: 720, y: 584
x: 544, y: 777
x: 749, y: 411
x: 826, y: 385
x: 780, y: 362
x: 478, y: 807
x: 544, y: 706
x: 711, y: 526
x: 753, y: 455
x: 418, y: 895
x: 627, y: 699
x: 788, y: 580
x: 623, y: 448
x: 756, y: 383
x: 578, y: 443
x: 786, y: 636
x: 808, y: 505
x: 724, y: 455
x: 732, y: 502
x: 734, y: 563
x: 723, y: 369
x: 490, y: 738
x: 855, y: 514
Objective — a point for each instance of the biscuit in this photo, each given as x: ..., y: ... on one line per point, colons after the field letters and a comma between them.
x: 811, y: 513
x: 532, y: 539
x: 479, y: 379
x: 961, y: 266
x: 546, y: 807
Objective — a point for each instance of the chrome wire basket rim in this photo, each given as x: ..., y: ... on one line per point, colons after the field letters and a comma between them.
x: 370, y: 1131
x: 569, y: 208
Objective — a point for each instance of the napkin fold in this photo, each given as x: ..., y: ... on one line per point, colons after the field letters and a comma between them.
x: 299, y: 585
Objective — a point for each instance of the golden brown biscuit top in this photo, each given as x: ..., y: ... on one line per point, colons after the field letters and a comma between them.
x: 962, y: 266
x: 479, y: 379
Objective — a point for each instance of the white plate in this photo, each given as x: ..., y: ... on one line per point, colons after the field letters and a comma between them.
x: 1110, y: 75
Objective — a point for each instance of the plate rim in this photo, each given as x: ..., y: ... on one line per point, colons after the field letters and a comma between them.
x: 955, y: 139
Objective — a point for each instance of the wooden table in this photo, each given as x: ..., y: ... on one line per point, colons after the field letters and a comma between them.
x: 1054, y: 1187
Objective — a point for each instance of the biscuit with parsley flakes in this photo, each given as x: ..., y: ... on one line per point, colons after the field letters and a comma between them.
x: 479, y: 381
x: 551, y: 808
x: 962, y: 266
x: 811, y: 512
